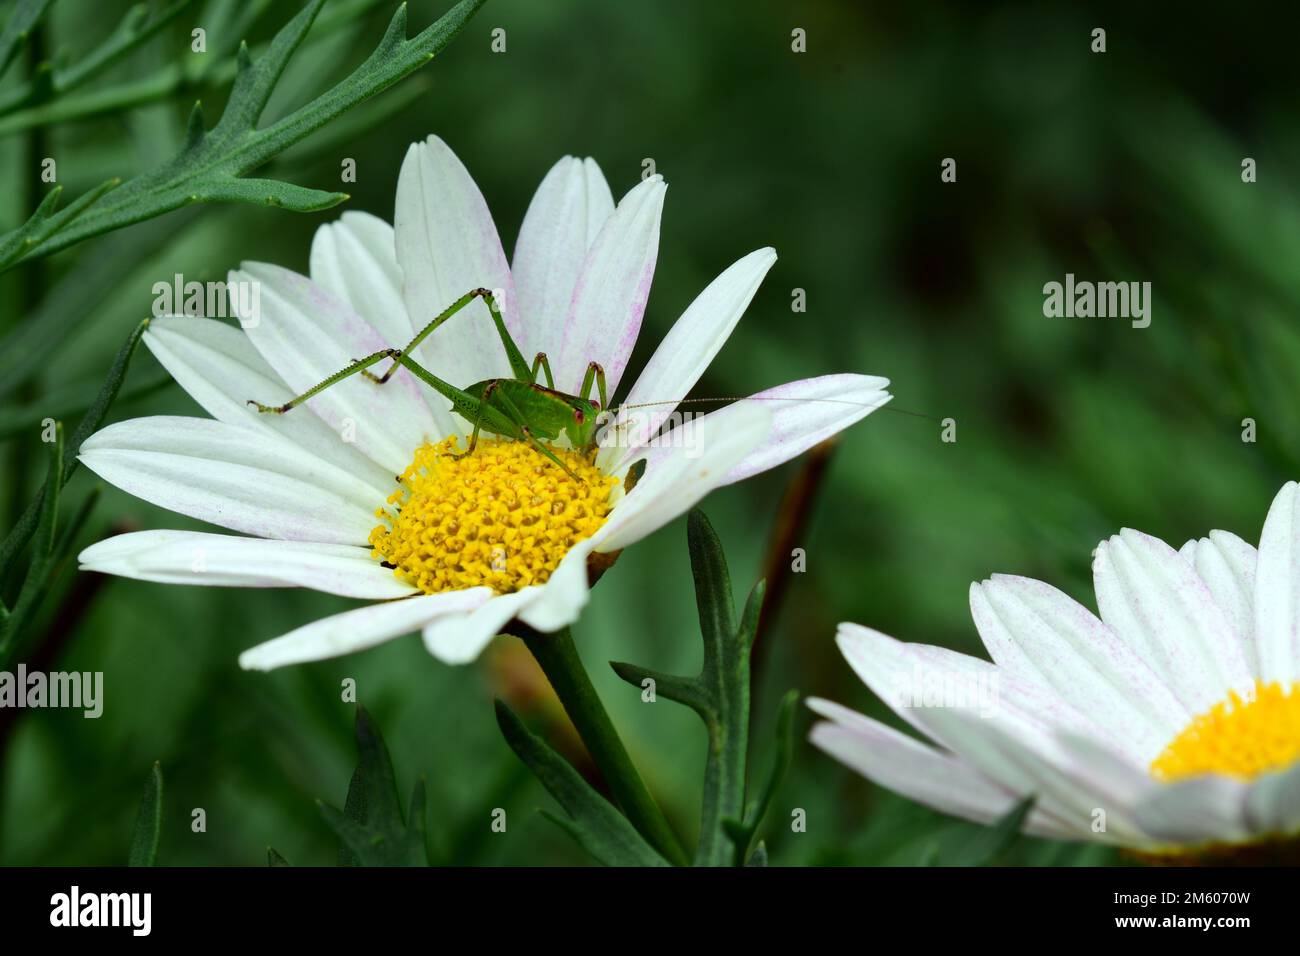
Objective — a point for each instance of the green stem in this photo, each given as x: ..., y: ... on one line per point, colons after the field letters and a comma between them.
x: 559, y: 660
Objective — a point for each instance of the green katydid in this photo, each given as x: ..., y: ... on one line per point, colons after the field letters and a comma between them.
x: 520, y: 407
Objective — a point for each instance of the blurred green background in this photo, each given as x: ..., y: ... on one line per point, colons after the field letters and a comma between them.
x: 1123, y: 165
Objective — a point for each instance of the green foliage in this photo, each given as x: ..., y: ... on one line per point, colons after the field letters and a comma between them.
x: 371, y: 827
x: 18, y: 28
x: 720, y: 696
x: 591, y: 820
x: 148, y: 822
x: 47, y: 501
x: 990, y: 845
x: 213, y: 164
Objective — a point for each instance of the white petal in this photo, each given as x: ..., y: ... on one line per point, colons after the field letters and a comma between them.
x: 807, y: 412
x: 1198, y: 810
x: 359, y: 629
x: 459, y: 639
x: 610, y: 296
x: 219, y: 560
x: 307, y: 335
x: 1227, y: 566
x: 354, y: 259
x: 221, y: 370
x: 691, y: 345
x: 1062, y: 789
x: 1273, y: 803
x: 918, y: 680
x: 447, y: 245
x: 567, y: 213
x: 678, y: 479
x: 907, y: 766
x: 1277, y: 590
x: 1155, y: 601
x: 1039, y: 634
x: 231, y: 476
x: 565, y: 593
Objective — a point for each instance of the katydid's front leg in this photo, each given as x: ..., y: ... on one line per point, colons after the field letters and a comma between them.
x: 359, y: 365
x: 597, y: 373
x: 488, y: 389
x: 518, y: 364
x: 545, y: 364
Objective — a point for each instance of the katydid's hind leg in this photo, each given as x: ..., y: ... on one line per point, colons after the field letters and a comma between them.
x: 544, y: 364
x: 359, y: 365
x: 517, y: 363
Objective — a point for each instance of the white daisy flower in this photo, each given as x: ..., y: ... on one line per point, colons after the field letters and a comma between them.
x: 1170, y: 724
x: 452, y: 547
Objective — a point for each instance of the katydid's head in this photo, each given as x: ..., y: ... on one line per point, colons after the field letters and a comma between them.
x: 587, y: 417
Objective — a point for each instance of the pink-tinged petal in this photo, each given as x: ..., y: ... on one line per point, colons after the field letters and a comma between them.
x: 929, y: 776
x: 1227, y: 566
x: 684, y: 474
x: 220, y: 369
x: 460, y: 639
x: 1277, y: 590
x: 360, y: 629
x: 803, y: 413
x: 568, y: 211
x: 447, y: 245
x: 231, y: 476
x: 610, y: 296
x: 1039, y: 634
x: 307, y: 335
x: 691, y: 345
x: 221, y: 560
x: 1154, y: 600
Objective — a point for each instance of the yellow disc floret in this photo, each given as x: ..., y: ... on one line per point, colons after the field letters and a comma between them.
x: 503, y: 516
x: 1239, y: 737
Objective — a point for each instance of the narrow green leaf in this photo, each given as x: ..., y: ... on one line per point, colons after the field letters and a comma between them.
x: 592, y: 820
x: 18, y: 28
x: 255, y: 82
x: 991, y: 843
x: 22, y: 532
x: 683, y: 690
x: 45, y: 221
x: 742, y: 834
x: 134, y: 29
x: 43, y: 560
x: 148, y: 823
x: 268, y: 192
x: 372, y: 828
x: 235, y: 147
x: 713, y: 596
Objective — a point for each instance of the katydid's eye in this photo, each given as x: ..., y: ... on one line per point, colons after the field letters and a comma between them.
x: 578, y: 416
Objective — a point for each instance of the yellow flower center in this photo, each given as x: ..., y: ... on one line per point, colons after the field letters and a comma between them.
x: 504, y: 516
x: 1241, y: 738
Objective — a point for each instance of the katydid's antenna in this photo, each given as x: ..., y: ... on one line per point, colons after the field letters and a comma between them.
x: 775, y: 398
